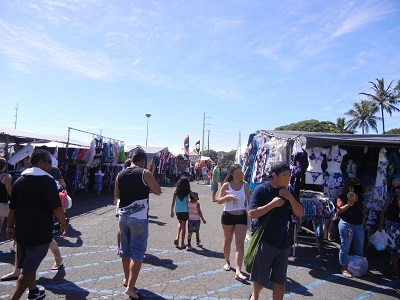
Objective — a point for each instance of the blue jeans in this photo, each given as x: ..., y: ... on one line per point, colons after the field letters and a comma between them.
x: 134, y: 234
x: 348, y: 233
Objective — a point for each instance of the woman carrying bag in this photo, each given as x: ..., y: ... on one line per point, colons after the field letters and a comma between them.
x: 389, y: 219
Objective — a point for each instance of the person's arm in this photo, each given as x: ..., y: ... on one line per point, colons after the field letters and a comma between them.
x: 116, y: 191
x: 224, y: 196
x: 62, y: 183
x: 60, y: 215
x: 192, y: 195
x: 10, y: 231
x: 341, y: 207
x: 8, y: 184
x: 173, y: 204
x: 152, y: 183
x: 255, y: 213
x: 382, y: 214
x: 297, y: 208
x: 201, y: 213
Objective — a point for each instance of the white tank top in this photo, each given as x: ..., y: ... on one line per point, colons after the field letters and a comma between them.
x: 239, y: 204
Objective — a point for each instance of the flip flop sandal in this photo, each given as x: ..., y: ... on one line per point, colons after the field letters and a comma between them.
x: 9, y: 278
x: 176, y: 242
x: 240, y: 277
x: 347, y: 274
x: 227, y: 267
x: 55, y: 268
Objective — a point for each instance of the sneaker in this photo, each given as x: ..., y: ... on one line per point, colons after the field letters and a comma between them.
x: 12, y: 250
x: 188, y: 248
x: 198, y: 243
x: 39, y: 293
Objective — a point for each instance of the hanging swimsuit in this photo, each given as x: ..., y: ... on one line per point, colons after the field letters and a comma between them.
x: 334, y: 180
x: 315, y: 175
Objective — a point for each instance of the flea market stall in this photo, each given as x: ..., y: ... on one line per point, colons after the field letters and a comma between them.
x: 321, y: 162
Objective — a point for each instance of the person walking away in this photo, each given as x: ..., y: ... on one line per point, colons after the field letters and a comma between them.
x: 98, y: 181
x: 179, y: 204
x: 233, y: 195
x: 389, y: 219
x: 34, y: 200
x: 222, y: 176
x: 215, y: 180
x: 195, y: 215
x: 350, y: 208
x: 277, y: 198
x: 5, y: 191
x: 132, y: 187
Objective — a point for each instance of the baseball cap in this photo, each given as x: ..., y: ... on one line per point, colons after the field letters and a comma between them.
x: 279, y: 167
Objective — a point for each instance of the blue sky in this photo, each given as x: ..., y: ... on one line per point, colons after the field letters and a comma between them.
x: 100, y: 66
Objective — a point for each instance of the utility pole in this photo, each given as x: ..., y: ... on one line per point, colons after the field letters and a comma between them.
x: 16, y: 117
x: 202, y: 143
x: 208, y: 140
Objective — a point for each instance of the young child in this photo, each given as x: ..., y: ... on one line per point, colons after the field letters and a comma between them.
x: 179, y: 204
x: 195, y: 215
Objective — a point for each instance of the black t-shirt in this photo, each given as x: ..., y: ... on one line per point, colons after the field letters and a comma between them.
x: 393, y: 211
x: 276, y: 232
x: 34, y: 198
x: 354, y: 214
x: 131, y: 186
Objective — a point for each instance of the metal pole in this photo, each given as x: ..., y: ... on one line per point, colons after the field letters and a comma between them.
x: 147, y: 133
x: 202, y: 143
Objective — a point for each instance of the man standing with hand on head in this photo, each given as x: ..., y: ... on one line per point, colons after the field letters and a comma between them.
x: 277, y: 198
x: 34, y: 200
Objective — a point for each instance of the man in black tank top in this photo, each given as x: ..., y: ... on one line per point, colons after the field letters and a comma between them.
x: 132, y: 187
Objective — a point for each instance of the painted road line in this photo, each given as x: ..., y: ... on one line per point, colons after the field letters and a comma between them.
x: 377, y: 289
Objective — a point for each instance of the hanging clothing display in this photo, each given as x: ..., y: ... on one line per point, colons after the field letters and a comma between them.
x: 380, y: 189
x: 314, y: 173
x: 333, y: 177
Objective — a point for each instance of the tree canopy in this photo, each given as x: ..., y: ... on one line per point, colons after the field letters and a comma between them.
x: 311, y: 126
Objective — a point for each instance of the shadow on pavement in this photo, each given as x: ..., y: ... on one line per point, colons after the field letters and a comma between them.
x: 58, y: 285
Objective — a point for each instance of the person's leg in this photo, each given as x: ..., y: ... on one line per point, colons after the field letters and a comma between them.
x: 278, y: 291
x: 125, y: 266
x: 178, y: 233
x: 56, y: 253
x: 346, y: 236
x: 14, y: 274
x: 189, y: 240
x: 183, y: 233
x: 240, y: 235
x: 256, y: 290
x: 25, y: 280
x: 228, y: 236
x: 134, y: 269
x: 394, y: 259
x: 358, y: 238
x: 118, y: 240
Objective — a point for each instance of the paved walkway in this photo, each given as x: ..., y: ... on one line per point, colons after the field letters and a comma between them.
x: 93, y: 270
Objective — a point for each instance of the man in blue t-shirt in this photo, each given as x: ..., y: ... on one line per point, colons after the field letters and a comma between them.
x: 279, y: 199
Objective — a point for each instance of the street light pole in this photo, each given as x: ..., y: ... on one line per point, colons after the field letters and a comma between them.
x: 147, y: 133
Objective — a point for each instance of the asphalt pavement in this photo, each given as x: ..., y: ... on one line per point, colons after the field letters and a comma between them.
x: 94, y: 271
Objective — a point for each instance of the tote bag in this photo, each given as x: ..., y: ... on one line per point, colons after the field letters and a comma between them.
x: 252, y: 247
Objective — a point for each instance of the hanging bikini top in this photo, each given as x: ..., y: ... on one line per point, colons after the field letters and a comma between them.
x: 337, y: 159
x: 314, y: 157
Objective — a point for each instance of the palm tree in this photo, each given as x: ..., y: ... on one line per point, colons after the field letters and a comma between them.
x: 363, y: 114
x: 341, y: 126
x: 384, y: 98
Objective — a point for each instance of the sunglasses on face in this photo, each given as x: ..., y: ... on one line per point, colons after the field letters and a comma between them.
x: 48, y: 161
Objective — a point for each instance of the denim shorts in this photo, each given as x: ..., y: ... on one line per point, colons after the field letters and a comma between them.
x: 134, y: 234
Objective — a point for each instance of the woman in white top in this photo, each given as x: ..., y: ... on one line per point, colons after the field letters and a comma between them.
x: 234, y: 195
